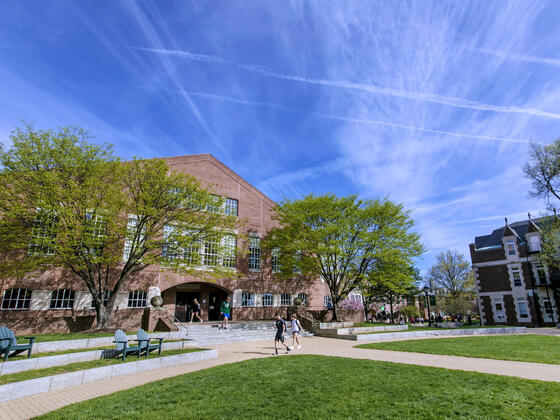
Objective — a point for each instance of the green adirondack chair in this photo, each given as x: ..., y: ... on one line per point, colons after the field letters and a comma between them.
x: 144, y: 342
x: 123, y: 348
x: 9, y: 346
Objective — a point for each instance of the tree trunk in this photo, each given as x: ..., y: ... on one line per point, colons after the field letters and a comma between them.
x: 104, y: 315
x: 335, y: 310
x: 391, y: 306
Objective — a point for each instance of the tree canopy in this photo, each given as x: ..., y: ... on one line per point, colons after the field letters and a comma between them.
x: 72, y: 204
x: 340, y: 239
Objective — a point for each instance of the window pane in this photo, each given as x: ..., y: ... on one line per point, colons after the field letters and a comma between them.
x: 254, y: 253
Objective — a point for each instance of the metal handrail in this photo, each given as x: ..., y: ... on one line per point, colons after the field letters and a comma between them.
x: 176, y: 321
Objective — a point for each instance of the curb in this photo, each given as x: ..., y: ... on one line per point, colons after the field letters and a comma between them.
x: 435, y: 333
x: 22, y: 389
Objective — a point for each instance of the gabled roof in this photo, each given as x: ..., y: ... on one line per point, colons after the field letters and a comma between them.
x: 518, y: 228
x: 173, y: 160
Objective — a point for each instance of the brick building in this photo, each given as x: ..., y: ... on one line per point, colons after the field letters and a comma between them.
x: 512, y: 285
x: 59, y: 301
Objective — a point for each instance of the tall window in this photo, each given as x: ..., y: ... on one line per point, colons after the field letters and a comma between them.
x: 230, y: 250
x: 510, y: 245
x: 137, y: 299
x: 43, y: 235
x: 516, y: 274
x: 327, y: 301
x: 62, y: 299
x: 523, y: 312
x: 285, y: 299
x: 94, y: 234
x: 304, y: 298
x: 16, y: 299
x: 254, y: 253
x: 547, y: 306
x: 267, y: 299
x: 231, y: 207
x: 214, y: 205
x: 541, y: 274
x: 132, y: 234
x: 297, y: 269
x: 275, y: 260
x: 247, y: 299
x: 211, y: 252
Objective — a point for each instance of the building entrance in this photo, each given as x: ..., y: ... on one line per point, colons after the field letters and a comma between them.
x: 214, y: 304
x: 184, y: 305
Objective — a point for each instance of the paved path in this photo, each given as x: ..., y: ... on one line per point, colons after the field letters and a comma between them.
x: 229, y: 353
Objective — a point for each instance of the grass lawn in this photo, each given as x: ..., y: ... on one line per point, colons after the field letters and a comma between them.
x: 70, y: 336
x: 55, y: 370
x: 525, y: 348
x: 318, y: 387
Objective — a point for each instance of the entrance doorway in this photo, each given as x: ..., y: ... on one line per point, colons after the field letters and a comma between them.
x: 184, y: 305
x: 214, y: 305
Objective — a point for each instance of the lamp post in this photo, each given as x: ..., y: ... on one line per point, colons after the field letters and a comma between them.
x: 426, y: 290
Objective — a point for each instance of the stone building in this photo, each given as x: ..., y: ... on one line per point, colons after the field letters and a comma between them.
x: 512, y: 285
x: 59, y: 301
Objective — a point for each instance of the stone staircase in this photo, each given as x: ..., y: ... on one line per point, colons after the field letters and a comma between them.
x: 203, y: 334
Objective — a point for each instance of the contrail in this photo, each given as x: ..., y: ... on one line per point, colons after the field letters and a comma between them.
x: 426, y: 97
x: 519, y: 57
x: 356, y: 120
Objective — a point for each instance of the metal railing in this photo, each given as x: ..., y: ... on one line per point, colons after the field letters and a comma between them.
x: 180, y: 324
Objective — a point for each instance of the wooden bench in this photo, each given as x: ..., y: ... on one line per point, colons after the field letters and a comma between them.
x: 9, y: 346
x: 146, y: 345
x: 123, y: 348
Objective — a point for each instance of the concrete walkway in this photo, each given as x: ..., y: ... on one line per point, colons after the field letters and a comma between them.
x: 229, y: 353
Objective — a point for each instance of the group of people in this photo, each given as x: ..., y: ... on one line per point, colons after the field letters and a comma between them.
x: 281, y: 331
x: 225, y: 314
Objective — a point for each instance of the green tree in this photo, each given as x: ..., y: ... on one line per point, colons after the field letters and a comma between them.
x: 70, y: 205
x: 409, y: 311
x: 339, y: 239
x: 452, y: 279
x: 543, y: 170
x: 387, y: 282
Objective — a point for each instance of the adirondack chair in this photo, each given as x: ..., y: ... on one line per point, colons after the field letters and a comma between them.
x: 123, y: 348
x: 144, y: 342
x: 9, y: 346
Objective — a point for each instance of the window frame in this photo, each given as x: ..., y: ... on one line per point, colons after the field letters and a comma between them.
x: 269, y: 300
x: 255, y: 253
x: 138, y: 298
x: 66, y: 301
x: 283, y: 299
x: 21, y: 303
x: 247, y: 300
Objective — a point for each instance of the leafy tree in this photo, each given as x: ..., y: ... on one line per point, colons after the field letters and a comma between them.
x: 339, y: 239
x: 71, y: 205
x: 544, y: 170
x: 409, y: 311
x: 387, y: 281
x: 451, y: 277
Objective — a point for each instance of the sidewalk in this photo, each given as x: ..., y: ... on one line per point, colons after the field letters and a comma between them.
x: 236, y: 352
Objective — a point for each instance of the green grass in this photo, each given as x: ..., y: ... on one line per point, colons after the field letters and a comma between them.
x: 525, y: 348
x: 416, y: 328
x: 319, y: 387
x: 55, y: 370
x: 23, y: 355
x: 70, y: 336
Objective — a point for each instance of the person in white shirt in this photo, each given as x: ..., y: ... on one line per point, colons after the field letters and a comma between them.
x: 296, y: 331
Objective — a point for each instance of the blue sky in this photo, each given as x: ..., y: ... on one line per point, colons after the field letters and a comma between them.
x: 428, y: 103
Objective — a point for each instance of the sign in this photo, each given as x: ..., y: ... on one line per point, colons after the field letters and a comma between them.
x: 433, y: 300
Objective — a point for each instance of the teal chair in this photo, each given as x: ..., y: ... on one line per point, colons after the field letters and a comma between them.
x: 9, y: 346
x: 123, y: 348
x: 144, y: 342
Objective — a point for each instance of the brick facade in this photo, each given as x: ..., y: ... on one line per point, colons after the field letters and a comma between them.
x: 512, y: 286
x: 254, y: 209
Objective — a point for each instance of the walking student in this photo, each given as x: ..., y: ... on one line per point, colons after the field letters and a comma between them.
x: 225, y: 310
x: 296, y: 331
x: 280, y: 330
x: 196, y: 310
